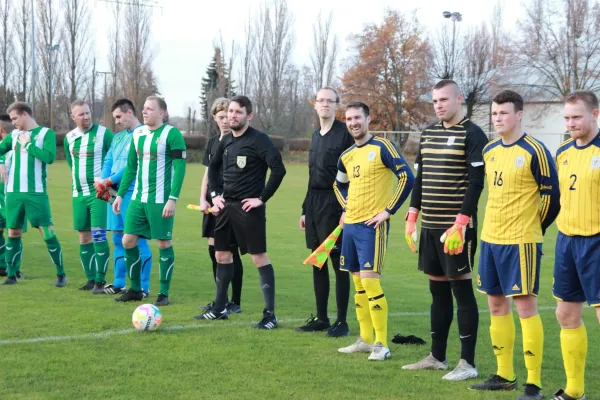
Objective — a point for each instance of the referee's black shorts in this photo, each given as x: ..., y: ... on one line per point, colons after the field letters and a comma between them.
x: 323, y: 214
x: 247, y: 229
x: 208, y: 225
x: 433, y: 260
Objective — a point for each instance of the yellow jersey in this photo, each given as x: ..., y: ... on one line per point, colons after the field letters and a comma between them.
x: 365, y: 180
x: 517, y: 176
x: 579, y: 180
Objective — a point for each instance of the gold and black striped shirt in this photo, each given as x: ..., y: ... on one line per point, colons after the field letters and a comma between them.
x: 443, y: 165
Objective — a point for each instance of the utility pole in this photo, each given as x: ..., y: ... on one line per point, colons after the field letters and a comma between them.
x: 104, y: 102
x: 51, y: 49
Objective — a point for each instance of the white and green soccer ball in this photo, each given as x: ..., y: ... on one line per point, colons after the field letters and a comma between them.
x: 146, y: 317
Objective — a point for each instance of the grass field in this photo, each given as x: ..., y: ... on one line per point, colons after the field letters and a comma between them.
x: 65, y: 344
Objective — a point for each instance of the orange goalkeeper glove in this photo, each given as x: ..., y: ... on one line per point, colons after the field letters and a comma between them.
x: 410, y: 229
x: 454, y: 238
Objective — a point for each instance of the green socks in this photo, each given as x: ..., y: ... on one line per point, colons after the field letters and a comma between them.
x: 102, y: 258
x: 166, y: 265
x: 133, y: 261
x: 2, y: 251
x: 13, y: 256
x: 86, y: 254
x: 55, y: 252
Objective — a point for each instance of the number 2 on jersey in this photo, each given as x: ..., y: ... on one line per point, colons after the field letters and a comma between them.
x: 573, y: 180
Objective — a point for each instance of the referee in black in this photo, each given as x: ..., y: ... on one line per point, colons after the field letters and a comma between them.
x: 447, y: 189
x: 219, y: 114
x: 239, y: 204
x: 321, y: 212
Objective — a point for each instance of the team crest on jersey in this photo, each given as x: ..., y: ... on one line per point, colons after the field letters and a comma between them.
x: 595, y: 164
x: 158, y: 140
x: 519, y: 161
x: 451, y: 140
x: 372, y: 156
x: 241, y: 161
x: 96, y: 139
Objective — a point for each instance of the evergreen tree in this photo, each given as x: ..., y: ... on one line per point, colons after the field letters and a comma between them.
x: 217, y: 83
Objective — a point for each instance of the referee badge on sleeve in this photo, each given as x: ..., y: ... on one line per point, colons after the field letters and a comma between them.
x: 241, y: 161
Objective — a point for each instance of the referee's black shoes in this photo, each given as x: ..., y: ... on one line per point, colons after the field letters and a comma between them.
x: 314, y: 324
x: 268, y: 321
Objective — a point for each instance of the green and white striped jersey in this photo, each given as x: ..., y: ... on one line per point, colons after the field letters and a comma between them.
x: 29, y: 166
x: 152, y: 160
x: 85, y: 153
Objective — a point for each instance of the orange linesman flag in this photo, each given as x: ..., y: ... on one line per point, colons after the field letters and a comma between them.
x: 319, y: 256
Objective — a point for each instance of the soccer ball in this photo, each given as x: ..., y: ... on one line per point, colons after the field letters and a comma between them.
x: 146, y: 317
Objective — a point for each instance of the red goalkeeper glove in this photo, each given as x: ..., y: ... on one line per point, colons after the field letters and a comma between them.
x: 102, y: 185
x: 454, y: 238
x: 410, y: 229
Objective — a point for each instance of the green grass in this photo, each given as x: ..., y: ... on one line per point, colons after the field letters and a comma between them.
x: 229, y: 359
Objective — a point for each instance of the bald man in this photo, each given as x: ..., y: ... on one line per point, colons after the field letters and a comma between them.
x: 449, y: 182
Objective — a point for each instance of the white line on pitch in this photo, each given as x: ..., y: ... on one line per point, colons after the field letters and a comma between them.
x: 102, y: 335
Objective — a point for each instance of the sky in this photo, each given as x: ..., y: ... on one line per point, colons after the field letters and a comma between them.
x: 183, y: 32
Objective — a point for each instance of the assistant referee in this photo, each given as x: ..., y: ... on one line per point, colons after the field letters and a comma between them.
x: 239, y: 204
x: 321, y: 212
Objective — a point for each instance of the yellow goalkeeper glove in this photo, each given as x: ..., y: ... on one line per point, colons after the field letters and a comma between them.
x: 454, y: 238
x: 410, y: 229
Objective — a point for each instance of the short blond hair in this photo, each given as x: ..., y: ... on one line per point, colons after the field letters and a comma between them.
x: 220, y: 104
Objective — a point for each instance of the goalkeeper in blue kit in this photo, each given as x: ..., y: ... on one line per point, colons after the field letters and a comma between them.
x: 115, y: 162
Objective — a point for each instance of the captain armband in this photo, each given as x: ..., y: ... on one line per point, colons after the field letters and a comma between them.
x: 178, y: 154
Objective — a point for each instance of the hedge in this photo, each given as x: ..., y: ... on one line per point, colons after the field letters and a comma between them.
x: 278, y: 141
x: 299, y: 144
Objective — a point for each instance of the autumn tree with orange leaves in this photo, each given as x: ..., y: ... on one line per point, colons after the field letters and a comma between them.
x: 389, y: 71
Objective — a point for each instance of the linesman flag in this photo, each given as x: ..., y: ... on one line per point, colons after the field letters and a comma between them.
x: 319, y: 256
x: 196, y: 207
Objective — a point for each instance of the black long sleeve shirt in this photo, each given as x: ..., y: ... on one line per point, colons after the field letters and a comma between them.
x: 325, y: 150
x: 244, y: 161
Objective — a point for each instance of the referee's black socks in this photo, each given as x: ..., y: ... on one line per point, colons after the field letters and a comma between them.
x: 267, y: 284
x: 442, y: 313
x: 213, y: 258
x: 468, y: 318
x: 236, y: 283
x: 224, y: 276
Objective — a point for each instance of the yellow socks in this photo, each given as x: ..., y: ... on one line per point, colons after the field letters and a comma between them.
x: 363, y: 314
x: 502, y: 332
x: 533, y: 348
x: 573, y: 343
x: 378, y: 308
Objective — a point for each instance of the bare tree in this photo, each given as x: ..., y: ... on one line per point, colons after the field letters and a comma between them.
x: 136, y: 57
x: 49, y: 26
x: 246, y: 58
x: 447, y: 51
x: 324, y: 52
x: 114, y: 53
x: 6, y: 50
x: 480, y: 66
x: 76, y: 44
x: 23, y: 22
x: 558, y: 47
x: 473, y: 60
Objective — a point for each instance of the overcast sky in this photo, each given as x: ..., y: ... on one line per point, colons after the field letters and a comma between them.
x: 183, y: 32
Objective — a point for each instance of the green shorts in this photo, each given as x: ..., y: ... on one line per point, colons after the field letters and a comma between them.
x: 88, y: 212
x: 35, y: 205
x: 146, y: 220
